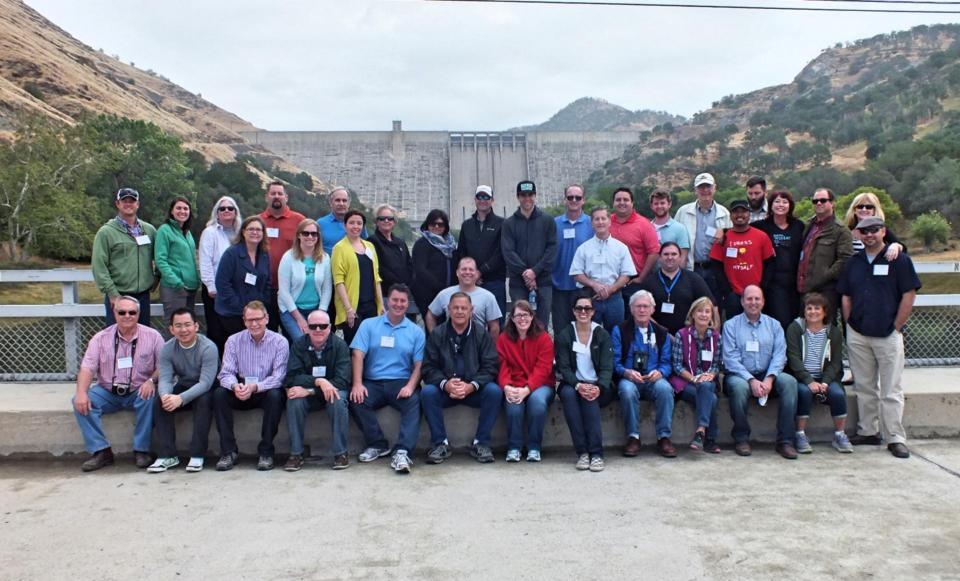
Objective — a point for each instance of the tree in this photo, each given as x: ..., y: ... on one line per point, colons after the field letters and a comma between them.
x: 931, y: 227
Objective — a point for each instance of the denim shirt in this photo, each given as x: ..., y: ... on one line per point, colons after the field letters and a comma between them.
x: 658, y: 356
x: 771, y: 355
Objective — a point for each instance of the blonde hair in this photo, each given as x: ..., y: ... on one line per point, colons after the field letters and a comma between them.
x: 318, y: 252
x: 851, y: 217
x: 696, y: 306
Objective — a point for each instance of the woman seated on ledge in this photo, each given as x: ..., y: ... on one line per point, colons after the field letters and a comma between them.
x: 696, y: 365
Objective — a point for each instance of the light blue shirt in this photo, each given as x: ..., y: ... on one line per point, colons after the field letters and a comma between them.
x: 389, y: 350
x: 673, y: 231
x: 570, y: 235
x: 754, y: 348
x: 332, y: 232
x: 704, y: 242
x: 603, y: 260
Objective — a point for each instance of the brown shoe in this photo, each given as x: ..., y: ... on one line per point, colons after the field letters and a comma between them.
x: 99, y: 459
x: 341, y: 461
x: 742, y: 448
x: 666, y: 449
x: 787, y: 451
x: 632, y: 447
x: 899, y: 450
x: 294, y: 463
x: 142, y: 459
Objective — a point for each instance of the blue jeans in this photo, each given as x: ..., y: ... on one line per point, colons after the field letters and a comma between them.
x: 499, y: 290
x: 434, y: 400
x: 534, y: 408
x: 660, y: 392
x: 290, y: 326
x: 583, y: 419
x: 299, y: 407
x: 836, y: 398
x: 144, y: 316
x: 563, y: 307
x: 608, y: 313
x: 519, y: 292
x: 703, y: 397
x: 103, y: 401
x: 784, y: 387
x: 384, y: 393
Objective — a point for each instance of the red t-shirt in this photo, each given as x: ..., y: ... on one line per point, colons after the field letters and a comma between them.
x: 742, y: 255
x: 285, y: 228
x: 639, y: 235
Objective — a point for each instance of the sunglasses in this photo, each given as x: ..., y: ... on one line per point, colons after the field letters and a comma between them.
x: 870, y: 230
x: 386, y: 219
x: 483, y: 197
x: 583, y: 309
x: 226, y: 209
x: 866, y: 207
x: 439, y: 224
x: 574, y: 198
x: 127, y: 313
x: 318, y: 326
x: 821, y: 200
x: 310, y: 234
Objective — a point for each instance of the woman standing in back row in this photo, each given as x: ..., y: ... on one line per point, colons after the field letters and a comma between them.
x: 356, y: 277
x: 175, y: 255
x: 222, y: 228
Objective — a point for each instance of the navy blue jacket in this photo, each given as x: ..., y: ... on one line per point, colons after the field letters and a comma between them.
x: 233, y: 292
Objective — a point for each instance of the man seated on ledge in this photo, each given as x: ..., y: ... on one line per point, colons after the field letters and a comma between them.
x: 460, y: 366
x: 188, y: 369
x: 254, y: 367
x: 318, y: 377
x: 123, y: 360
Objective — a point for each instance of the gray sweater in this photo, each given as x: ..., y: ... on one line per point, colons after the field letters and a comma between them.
x: 529, y: 243
x: 188, y: 372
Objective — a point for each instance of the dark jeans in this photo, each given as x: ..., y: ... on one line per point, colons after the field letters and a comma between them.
x: 499, y: 290
x: 626, y: 292
x: 164, y: 422
x: 519, y: 291
x: 731, y: 306
x: 782, y: 303
x: 583, y: 419
x: 434, y: 400
x: 784, y: 387
x: 144, y: 298
x: 230, y: 326
x: 709, y: 276
x: 270, y: 401
x: 703, y: 398
x: 273, y: 311
x: 836, y: 398
x: 362, y: 313
x: 214, y: 326
x: 563, y: 308
x: 384, y: 393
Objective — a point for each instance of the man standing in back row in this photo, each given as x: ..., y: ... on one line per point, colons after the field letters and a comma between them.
x: 629, y: 227
x: 573, y: 229
x: 480, y: 240
x: 529, y: 245
x: 827, y: 245
x: 281, y: 223
x: 705, y: 221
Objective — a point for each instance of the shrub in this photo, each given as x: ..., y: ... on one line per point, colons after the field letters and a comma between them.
x: 931, y: 227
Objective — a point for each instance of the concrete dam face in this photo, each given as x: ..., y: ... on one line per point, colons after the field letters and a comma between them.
x: 417, y: 171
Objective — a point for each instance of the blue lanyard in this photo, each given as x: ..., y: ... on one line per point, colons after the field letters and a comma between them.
x: 663, y: 283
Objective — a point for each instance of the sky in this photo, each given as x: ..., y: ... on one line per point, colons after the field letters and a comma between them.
x: 342, y: 65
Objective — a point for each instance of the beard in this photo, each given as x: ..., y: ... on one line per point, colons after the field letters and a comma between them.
x: 276, y: 204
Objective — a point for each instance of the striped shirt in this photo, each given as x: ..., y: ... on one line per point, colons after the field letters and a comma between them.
x: 243, y: 358
x: 100, y: 358
x: 813, y: 353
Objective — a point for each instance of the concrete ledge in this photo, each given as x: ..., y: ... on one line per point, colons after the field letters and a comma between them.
x: 36, y: 418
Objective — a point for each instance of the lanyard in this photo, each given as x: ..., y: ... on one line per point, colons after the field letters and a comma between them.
x: 116, y: 350
x: 663, y: 283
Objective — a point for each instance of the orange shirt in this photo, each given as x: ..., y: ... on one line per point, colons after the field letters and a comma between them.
x: 280, y: 234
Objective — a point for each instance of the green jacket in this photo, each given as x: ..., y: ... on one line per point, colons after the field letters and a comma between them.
x: 119, y: 264
x: 176, y: 257
x: 601, y: 353
x: 831, y: 363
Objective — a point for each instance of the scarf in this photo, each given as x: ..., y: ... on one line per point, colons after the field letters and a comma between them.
x: 447, y: 245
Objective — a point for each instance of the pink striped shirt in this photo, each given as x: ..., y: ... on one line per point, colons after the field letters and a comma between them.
x: 244, y: 357
x: 99, y: 357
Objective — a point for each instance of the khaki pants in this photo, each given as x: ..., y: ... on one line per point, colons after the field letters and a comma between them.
x: 877, y: 366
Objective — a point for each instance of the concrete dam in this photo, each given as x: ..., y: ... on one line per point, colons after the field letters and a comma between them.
x: 417, y: 171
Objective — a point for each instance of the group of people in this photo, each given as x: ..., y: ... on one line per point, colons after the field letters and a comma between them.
x: 740, y: 301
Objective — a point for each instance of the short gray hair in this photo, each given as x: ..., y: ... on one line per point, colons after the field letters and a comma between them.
x: 643, y: 294
x: 384, y: 207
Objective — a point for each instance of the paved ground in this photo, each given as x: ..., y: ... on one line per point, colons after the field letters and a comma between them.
x: 863, y: 516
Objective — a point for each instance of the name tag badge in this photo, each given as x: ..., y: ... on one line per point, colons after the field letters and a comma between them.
x: 569, y: 233
x: 320, y: 371
x: 251, y: 380
x: 124, y: 362
x: 881, y: 269
x: 387, y: 342
x: 250, y: 279
x: 731, y: 252
x: 598, y: 259
x: 142, y: 240
x: 711, y: 231
x: 368, y: 253
x: 753, y: 346
x: 579, y: 347
x: 273, y: 233
x: 666, y: 308
x: 706, y: 355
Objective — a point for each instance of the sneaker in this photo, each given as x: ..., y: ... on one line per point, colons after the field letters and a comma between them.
x: 438, y: 453
x: 513, y: 455
x: 227, y: 461
x: 803, y: 444
x: 841, y: 443
x: 341, y: 462
x: 533, y: 455
x: 265, y: 463
x: 371, y: 454
x: 596, y: 464
x: 163, y: 464
x: 697, y: 442
x: 195, y: 464
x: 98, y: 460
x: 710, y: 446
x: 294, y: 463
x: 583, y: 462
x: 401, y: 462
x: 482, y: 453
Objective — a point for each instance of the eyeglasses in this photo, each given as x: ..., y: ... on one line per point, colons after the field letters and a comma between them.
x: 226, y: 209
x: 386, y: 219
x: 821, y: 200
x: 583, y: 309
x: 483, y: 197
x: 866, y: 207
x: 256, y: 320
x: 128, y: 313
x: 574, y: 198
x: 870, y: 230
x: 310, y: 234
x: 318, y: 326
x: 252, y: 230
x: 522, y: 315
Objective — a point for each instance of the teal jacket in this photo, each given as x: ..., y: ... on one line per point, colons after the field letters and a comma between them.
x: 176, y: 256
x: 119, y: 264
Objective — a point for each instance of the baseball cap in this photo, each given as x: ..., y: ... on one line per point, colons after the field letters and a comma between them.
x: 128, y: 193
x: 870, y: 221
x: 526, y: 187
x: 739, y: 204
x: 484, y: 190
x: 704, y: 178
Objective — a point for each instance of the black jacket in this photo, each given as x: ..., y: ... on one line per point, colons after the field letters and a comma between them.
x: 601, y: 352
x: 335, y: 356
x: 481, y: 242
x: 480, y: 362
x: 432, y: 272
x: 530, y: 243
x: 396, y: 266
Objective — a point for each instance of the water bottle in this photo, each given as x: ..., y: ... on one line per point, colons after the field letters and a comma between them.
x: 532, y: 298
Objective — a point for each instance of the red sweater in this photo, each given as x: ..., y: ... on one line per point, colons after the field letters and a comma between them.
x: 527, y: 362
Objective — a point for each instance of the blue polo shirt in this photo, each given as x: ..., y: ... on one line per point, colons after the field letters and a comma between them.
x: 389, y: 350
x: 875, y: 293
x: 570, y: 235
x: 673, y: 231
x: 332, y: 232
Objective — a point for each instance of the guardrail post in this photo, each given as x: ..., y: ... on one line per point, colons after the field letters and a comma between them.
x: 69, y: 292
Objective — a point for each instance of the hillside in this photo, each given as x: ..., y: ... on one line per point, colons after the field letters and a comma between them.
x: 590, y: 114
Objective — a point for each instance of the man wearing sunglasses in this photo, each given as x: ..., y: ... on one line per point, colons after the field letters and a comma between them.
x: 318, y: 377
x: 827, y: 245
x: 529, y: 245
x: 480, y: 240
x: 573, y: 229
x: 877, y: 299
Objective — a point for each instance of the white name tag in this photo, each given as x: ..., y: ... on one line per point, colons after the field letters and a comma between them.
x: 368, y: 253
x: 579, y: 347
x: 881, y: 269
x: 250, y: 279
x: 569, y: 233
x: 320, y: 371
x: 753, y: 346
x: 706, y: 355
x: 666, y: 308
x: 124, y: 362
x: 711, y: 231
x: 598, y: 259
x: 731, y: 252
x: 387, y: 342
x: 142, y: 240
x: 251, y: 380
x: 273, y: 233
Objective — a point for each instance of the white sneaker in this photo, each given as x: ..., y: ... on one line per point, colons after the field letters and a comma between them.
x: 583, y: 462
x: 533, y: 456
x: 401, y: 462
x: 162, y: 464
x: 371, y: 454
x: 513, y: 455
x: 195, y: 464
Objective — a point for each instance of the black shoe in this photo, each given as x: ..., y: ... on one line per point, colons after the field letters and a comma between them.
x: 899, y: 450
x: 142, y: 459
x: 227, y: 461
x: 787, y: 450
x: 860, y: 440
x: 99, y: 459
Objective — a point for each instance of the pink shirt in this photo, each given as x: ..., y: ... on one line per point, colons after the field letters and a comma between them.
x: 639, y: 235
x: 99, y: 357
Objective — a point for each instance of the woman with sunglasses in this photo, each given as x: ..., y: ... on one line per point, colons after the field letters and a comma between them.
x: 696, y: 368
x: 396, y: 266
x: 243, y: 275
x: 584, y: 353
x: 356, y: 276
x: 175, y: 254
x: 526, y: 377
x: 218, y: 235
x: 305, y: 282
x: 434, y: 268
x: 863, y: 206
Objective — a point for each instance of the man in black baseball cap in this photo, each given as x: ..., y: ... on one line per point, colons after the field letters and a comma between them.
x: 529, y: 243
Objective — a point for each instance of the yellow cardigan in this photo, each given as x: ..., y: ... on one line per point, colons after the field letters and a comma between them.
x: 346, y: 271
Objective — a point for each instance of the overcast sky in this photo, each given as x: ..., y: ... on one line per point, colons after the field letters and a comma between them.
x: 358, y: 64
